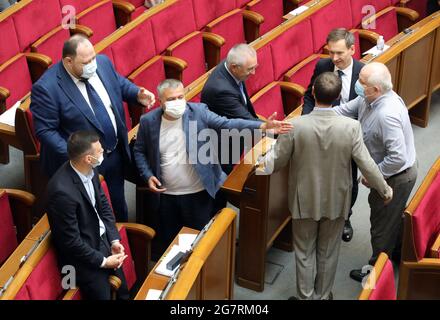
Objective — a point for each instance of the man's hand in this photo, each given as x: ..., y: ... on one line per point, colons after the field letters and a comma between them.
x: 117, y: 247
x: 155, y: 185
x: 146, y: 98
x: 115, y: 261
x: 388, y: 199
x: 279, y: 127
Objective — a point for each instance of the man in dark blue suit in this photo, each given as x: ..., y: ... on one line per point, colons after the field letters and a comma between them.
x: 341, y: 48
x: 175, y: 154
x: 84, y: 92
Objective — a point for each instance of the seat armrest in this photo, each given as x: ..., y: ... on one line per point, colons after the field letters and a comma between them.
x: 123, y: 11
x: 80, y: 29
x: 251, y: 22
x: 38, y: 64
x: 21, y: 203
x: 435, y: 249
x: 174, y: 67
x: 292, y: 94
x: 4, y: 94
x: 212, y: 44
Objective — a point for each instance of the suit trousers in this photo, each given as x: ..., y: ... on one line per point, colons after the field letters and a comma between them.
x: 94, y: 284
x: 316, y: 245
x: 387, y: 220
x: 112, y: 168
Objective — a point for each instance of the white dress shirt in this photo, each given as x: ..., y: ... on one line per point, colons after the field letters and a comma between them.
x: 346, y: 81
x: 97, y: 84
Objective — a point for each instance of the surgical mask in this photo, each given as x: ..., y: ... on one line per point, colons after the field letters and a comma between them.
x: 89, y: 69
x: 100, y: 160
x: 359, y: 89
x: 175, y: 108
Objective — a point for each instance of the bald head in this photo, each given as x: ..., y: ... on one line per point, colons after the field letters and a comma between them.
x: 376, y: 80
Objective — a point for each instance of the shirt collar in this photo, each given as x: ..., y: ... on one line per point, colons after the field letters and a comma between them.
x: 84, y: 178
x: 238, y: 81
x: 378, y: 100
x: 75, y: 79
x: 348, y: 70
x: 316, y: 108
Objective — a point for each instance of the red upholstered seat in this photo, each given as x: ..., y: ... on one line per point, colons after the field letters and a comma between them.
x: 419, y: 6
x: 386, y: 23
x: 128, y: 266
x: 302, y: 73
x: 35, y: 20
x: 264, y: 74
x: 52, y: 44
x: 291, y: 47
x: 241, y: 3
x: 357, y: 47
x: 335, y: 15
x: 361, y: 9
x: 172, y: 24
x: 8, y: 238
x: 100, y: 18
x: 79, y: 5
x: 190, y: 49
x: 385, y: 286
x: 206, y: 11
x: 268, y: 101
x: 106, y: 192
x: 14, y: 76
x: 137, y: 12
x: 271, y: 10
x: 44, y: 282
x: 8, y: 40
x: 32, y: 130
x: 230, y: 27
x: 426, y: 219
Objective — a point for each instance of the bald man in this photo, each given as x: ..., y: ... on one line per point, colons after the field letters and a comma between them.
x: 84, y: 92
x: 389, y: 138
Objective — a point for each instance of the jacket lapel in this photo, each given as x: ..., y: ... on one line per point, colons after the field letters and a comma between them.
x: 77, y: 181
x: 71, y: 90
x: 154, y: 128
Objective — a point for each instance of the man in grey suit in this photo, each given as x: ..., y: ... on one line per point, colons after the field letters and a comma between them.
x: 172, y: 158
x: 319, y: 149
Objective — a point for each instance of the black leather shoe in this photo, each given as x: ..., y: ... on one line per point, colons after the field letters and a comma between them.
x: 358, y: 275
x: 292, y: 298
x: 347, y: 234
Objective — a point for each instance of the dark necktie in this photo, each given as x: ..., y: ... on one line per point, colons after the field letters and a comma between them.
x: 338, y: 101
x: 101, y: 114
x: 242, y: 91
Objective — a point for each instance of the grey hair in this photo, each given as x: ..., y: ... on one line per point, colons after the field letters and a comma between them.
x: 168, y: 84
x: 239, y: 54
x: 341, y: 34
x: 380, y: 76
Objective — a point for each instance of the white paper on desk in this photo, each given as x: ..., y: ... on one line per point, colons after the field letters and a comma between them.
x: 186, y: 240
x: 298, y: 10
x: 8, y: 117
x: 375, y: 51
x: 162, y: 267
x: 153, y: 294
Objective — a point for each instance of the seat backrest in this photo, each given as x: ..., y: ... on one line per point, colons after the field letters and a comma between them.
x: 271, y: 10
x: 9, y: 46
x: 100, y: 18
x: 304, y: 74
x: 241, y: 3
x: 386, y: 23
x: 419, y: 6
x: 269, y: 100
x: 44, y: 282
x: 230, y: 27
x: 15, y: 76
x: 172, y: 24
x: 52, y: 45
x: 206, y: 11
x: 79, y: 5
x: 426, y: 219
x: 291, y: 47
x: 8, y: 238
x: 361, y: 9
x: 380, y: 284
x: 128, y: 266
x: 335, y: 15
x: 357, y: 46
x: 264, y: 74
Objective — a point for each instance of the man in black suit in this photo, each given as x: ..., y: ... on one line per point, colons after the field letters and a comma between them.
x: 225, y: 91
x: 82, y: 222
x: 341, y: 48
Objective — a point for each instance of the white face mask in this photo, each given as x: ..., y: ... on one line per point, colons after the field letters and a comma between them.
x: 100, y: 160
x: 175, y: 108
x: 89, y: 69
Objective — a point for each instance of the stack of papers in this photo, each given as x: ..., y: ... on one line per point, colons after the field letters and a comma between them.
x: 298, y: 10
x: 375, y: 51
x: 153, y: 294
x: 8, y: 117
x: 185, y: 242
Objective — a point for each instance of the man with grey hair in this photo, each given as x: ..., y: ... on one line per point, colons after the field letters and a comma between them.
x: 341, y: 49
x: 176, y: 160
x: 225, y: 91
x: 389, y: 138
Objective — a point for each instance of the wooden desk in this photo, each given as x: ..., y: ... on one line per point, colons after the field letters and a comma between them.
x: 208, y: 273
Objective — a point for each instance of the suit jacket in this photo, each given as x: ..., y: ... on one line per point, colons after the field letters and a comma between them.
x: 222, y: 95
x: 59, y: 109
x: 326, y: 65
x: 320, y: 149
x: 73, y: 220
x: 146, y: 148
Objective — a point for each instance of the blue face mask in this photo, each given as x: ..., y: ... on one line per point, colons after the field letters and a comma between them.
x: 359, y: 89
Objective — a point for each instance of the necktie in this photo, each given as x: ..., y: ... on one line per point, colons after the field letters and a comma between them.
x: 338, y: 101
x: 242, y: 91
x: 340, y: 73
x: 101, y: 114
